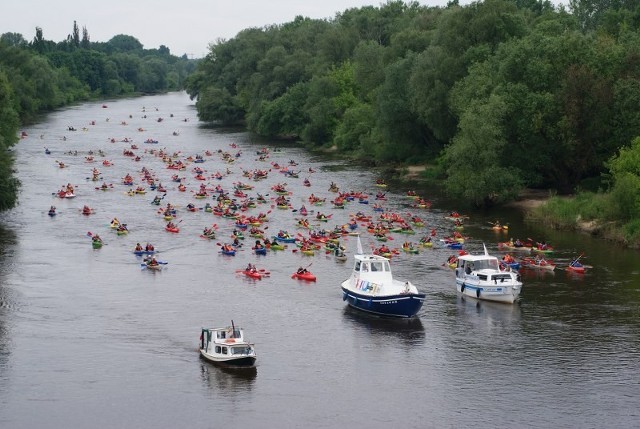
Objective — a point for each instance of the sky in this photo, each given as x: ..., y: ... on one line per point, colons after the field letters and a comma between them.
x: 184, y: 26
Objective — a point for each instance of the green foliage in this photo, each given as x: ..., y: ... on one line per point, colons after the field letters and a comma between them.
x: 500, y: 94
x: 43, y: 75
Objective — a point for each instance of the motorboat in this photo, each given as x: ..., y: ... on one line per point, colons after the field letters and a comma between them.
x: 227, y: 346
x: 372, y: 288
x: 480, y: 276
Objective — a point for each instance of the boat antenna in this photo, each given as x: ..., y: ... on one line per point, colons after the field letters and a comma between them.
x: 233, y: 329
x: 359, y: 248
x: 485, y: 250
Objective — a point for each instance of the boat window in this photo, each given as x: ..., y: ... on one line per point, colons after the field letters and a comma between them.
x: 357, y: 267
x: 486, y: 264
x: 245, y: 350
x: 218, y: 349
x: 224, y: 350
x: 386, y: 266
x: 376, y: 266
x: 482, y: 277
x: 365, y: 267
x: 501, y: 277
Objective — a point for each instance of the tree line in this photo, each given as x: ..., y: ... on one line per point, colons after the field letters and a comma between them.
x: 41, y: 75
x: 494, y: 96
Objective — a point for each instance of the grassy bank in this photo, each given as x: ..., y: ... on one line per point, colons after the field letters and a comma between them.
x: 592, y: 213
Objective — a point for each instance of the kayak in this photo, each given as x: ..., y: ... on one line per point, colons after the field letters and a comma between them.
x: 276, y: 246
x: 410, y: 250
x: 151, y: 267
x: 228, y: 252
x: 576, y: 269
x: 304, y: 276
x: 261, y: 251
x: 143, y: 252
x: 96, y: 244
x: 251, y: 274
x: 175, y: 229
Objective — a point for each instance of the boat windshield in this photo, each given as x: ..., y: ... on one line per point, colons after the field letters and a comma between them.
x: 243, y: 350
x: 485, y: 264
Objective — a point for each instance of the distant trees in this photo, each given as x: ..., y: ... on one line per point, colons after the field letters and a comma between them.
x: 499, y: 94
x: 42, y: 75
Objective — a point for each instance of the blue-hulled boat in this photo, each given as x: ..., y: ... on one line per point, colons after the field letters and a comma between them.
x: 371, y: 288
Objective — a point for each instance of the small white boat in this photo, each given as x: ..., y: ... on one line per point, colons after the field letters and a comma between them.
x: 479, y: 276
x: 227, y: 346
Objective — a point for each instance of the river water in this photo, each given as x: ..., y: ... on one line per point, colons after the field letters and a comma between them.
x: 89, y: 339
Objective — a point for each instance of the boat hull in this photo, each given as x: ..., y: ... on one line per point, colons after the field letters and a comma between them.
x: 243, y: 361
x: 401, y: 305
x: 490, y: 292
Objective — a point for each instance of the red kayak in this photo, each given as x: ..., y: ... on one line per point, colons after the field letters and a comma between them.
x: 175, y: 229
x: 251, y: 274
x: 304, y: 276
x: 576, y: 269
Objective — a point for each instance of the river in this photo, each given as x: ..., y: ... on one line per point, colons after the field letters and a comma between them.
x: 89, y: 339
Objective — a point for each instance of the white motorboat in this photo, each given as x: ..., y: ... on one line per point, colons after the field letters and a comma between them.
x: 227, y: 346
x: 372, y: 288
x: 480, y: 276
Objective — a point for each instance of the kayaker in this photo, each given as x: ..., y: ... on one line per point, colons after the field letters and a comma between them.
x: 139, y: 248
x: 149, y: 248
x: 259, y: 245
x: 153, y: 262
x: 302, y: 270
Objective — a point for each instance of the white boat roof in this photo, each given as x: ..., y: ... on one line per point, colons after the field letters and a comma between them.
x: 476, y: 257
x: 368, y: 258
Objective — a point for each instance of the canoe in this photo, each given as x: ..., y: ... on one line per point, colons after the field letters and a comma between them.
x: 304, y: 276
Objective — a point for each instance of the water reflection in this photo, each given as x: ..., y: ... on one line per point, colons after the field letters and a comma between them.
x: 407, y: 331
x: 492, y: 314
x: 227, y: 379
x: 8, y: 301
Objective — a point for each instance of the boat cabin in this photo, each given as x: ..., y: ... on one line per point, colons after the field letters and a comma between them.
x: 486, y: 268
x: 226, y: 341
x: 373, y: 268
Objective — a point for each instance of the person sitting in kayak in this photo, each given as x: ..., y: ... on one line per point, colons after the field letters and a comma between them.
x: 518, y: 243
x: 384, y: 249
x: 153, y: 262
x: 508, y: 259
x: 251, y: 268
x: 156, y: 200
x: 122, y: 227
x: 149, y: 248
x: 52, y: 209
x: 139, y: 248
x: 259, y: 245
x: 171, y: 225
x: 302, y: 270
x: 236, y: 242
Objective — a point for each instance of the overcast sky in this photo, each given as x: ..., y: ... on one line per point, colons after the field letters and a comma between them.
x: 184, y: 26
